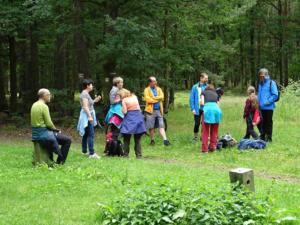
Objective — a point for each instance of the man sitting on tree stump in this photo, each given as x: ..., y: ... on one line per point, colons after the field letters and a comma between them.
x: 44, y: 132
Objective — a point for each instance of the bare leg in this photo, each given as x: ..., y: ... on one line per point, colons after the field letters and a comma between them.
x: 163, y: 133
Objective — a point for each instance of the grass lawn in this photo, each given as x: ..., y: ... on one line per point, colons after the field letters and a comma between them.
x: 69, y: 194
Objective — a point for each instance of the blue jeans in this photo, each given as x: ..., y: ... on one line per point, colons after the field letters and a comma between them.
x: 88, y: 139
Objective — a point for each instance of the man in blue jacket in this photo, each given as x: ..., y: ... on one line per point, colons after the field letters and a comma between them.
x: 267, y: 96
x: 195, y: 98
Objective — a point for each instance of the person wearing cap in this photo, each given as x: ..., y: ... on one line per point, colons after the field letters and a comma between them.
x: 44, y: 131
x: 267, y: 96
x: 154, y: 98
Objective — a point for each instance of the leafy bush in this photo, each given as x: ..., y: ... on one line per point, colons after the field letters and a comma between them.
x: 168, y: 204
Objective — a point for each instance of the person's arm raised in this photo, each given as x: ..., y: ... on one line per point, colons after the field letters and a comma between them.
x: 97, y: 99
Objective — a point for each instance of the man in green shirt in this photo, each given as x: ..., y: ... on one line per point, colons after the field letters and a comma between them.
x: 44, y: 131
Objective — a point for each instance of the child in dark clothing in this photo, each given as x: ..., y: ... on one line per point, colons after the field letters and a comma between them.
x: 251, y: 113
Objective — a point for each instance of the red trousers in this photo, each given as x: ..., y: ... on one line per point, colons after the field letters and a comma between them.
x: 209, y: 130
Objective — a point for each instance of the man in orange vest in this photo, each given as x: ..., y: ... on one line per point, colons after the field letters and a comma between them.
x: 154, y: 98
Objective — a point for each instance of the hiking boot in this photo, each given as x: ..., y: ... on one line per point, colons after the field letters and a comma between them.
x: 152, y: 142
x: 167, y: 143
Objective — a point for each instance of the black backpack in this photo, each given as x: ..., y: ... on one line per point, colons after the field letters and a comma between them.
x: 114, y: 148
x: 278, y: 89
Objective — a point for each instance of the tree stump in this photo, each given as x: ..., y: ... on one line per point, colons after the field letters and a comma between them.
x: 40, y: 154
x: 244, y: 177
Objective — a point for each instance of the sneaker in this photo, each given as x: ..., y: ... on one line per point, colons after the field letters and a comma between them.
x: 166, y: 143
x: 94, y: 156
x: 152, y: 142
x: 85, y: 153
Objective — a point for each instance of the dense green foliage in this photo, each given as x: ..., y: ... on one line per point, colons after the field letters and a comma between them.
x: 49, y: 43
x: 168, y: 204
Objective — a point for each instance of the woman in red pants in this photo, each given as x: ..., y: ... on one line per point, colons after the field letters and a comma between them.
x: 212, y: 118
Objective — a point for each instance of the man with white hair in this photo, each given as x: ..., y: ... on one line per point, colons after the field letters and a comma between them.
x: 268, y: 94
x: 44, y: 131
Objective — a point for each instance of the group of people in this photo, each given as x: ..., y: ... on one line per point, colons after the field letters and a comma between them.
x: 126, y: 118
x: 258, y: 110
x: 204, y: 104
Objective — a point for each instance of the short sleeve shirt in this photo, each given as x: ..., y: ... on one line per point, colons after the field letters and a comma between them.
x: 86, y: 95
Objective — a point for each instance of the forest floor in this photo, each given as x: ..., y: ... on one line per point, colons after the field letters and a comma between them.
x: 70, y: 194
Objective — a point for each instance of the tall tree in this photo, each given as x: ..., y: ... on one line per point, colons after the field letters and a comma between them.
x: 3, y: 101
x: 13, y: 73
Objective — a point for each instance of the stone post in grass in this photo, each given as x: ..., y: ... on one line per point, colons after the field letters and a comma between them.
x: 243, y: 176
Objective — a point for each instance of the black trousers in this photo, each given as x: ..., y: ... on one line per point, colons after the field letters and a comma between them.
x: 250, y: 130
x: 197, y: 119
x: 267, y: 125
x: 53, y: 147
x: 137, y: 144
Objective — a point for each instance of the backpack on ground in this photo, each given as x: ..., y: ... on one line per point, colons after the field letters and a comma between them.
x: 114, y: 148
x: 251, y: 144
x: 226, y: 141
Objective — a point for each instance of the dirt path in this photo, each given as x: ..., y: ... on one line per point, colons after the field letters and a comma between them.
x: 264, y: 175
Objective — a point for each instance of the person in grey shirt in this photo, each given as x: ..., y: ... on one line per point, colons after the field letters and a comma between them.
x: 87, y: 119
x: 117, y: 85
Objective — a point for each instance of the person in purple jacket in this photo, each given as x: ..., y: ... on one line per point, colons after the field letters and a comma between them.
x: 195, y: 98
x: 268, y: 94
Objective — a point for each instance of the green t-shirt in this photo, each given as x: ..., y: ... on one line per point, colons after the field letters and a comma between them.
x: 40, y: 115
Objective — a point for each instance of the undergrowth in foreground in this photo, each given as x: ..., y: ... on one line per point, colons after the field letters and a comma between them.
x: 162, y: 204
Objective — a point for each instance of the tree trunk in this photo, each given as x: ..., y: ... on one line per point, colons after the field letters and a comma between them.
x: 242, y: 60
x: 252, y: 56
x: 280, y: 40
x: 13, y: 73
x: 80, y: 43
x: 60, y: 62
x: 109, y: 66
x: 285, y: 44
x: 168, y: 65
x: 3, y: 101
x: 33, y: 68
